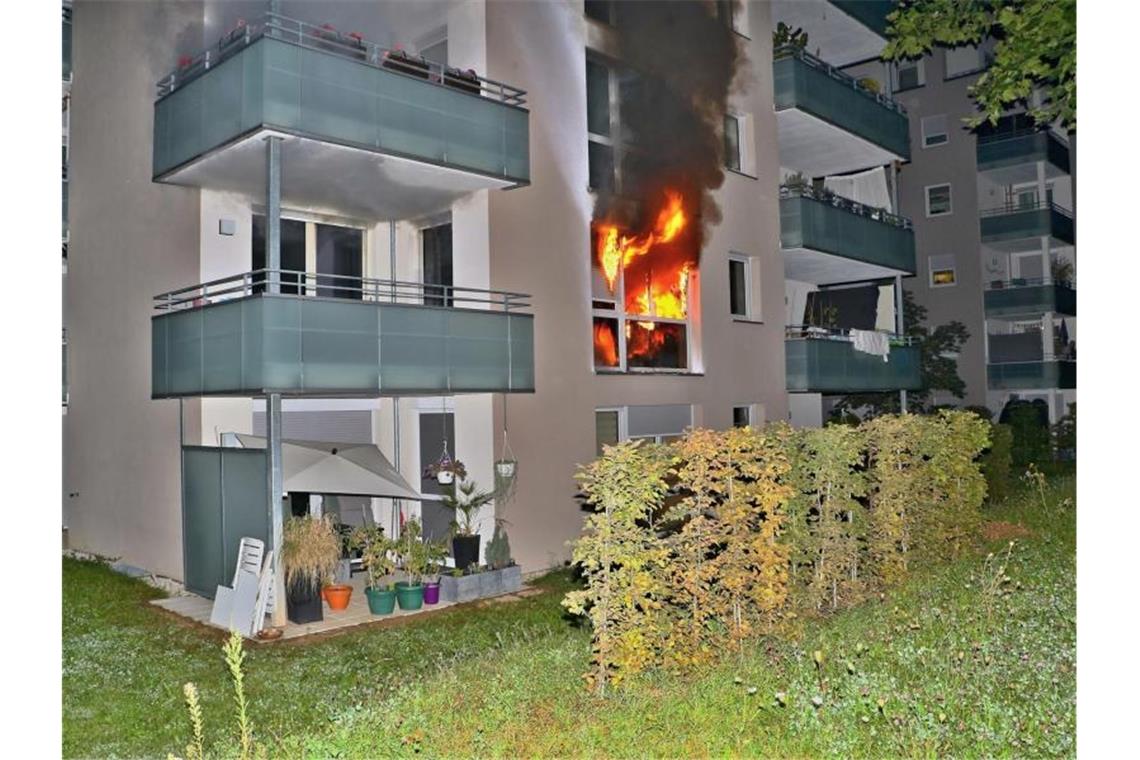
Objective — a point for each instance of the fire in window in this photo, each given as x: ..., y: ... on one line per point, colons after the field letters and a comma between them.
x: 642, y: 283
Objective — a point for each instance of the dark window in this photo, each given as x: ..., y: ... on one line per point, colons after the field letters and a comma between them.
x: 738, y: 287
x: 437, y: 266
x: 741, y: 416
x: 600, y: 10
x: 597, y: 97
x: 292, y: 254
x: 436, y: 431
x: 605, y: 429
x: 732, y: 142
x: 340, y: 261
x: 601, y: 167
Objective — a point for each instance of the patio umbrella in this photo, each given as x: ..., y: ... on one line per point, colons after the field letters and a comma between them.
x: 350, y: 469
x: 1063, y: 333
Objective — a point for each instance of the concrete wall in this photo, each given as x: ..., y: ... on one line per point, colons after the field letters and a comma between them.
x: 540, y: 245
x: 130, y: 240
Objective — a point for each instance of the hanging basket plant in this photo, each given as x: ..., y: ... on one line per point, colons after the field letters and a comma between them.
x: 446, y: 470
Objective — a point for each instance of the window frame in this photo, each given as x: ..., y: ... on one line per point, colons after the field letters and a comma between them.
x: 749, y: 410
x: 933, y: 270
x: 919, y: 66
x: 746, y: 263
x: 949, y: 199
x: 945, y: 134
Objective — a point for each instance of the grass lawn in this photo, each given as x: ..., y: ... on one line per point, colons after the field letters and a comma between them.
x: 922, y: 672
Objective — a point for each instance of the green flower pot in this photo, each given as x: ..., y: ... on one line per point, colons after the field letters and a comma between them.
x: 381, y: 601
x: 410, y: 597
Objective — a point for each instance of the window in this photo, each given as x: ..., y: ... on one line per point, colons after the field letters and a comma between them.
x: 739, y: 286
x: 938, y: 200
x: 600, y: 10
x: 934, y: 131
x: 338, y: 255
x: 963, y: 60
x: 909, y: 74
x: 606, y: 428
x: 658, y: 423
x: 942, y: 271
x: 732, y: 142
x: 437, y: 269
x: 599, y: 126
x: 1026, y: 196
x: 292, y: 254
x: 742, y: 416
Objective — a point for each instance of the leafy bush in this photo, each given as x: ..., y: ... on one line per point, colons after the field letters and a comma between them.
x: 1030, y: 425
x: 997, y: 463
x: 1065, y: 434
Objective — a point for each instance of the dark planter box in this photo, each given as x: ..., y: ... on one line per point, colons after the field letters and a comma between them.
x: 467, y: 81
x: 405, y: 64
x: 468, y: 588
x: 512, y: 578
x: 304, y: 604
x: 465, y: 588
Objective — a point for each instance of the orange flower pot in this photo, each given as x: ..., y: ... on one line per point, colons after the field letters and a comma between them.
x: 337, y: 595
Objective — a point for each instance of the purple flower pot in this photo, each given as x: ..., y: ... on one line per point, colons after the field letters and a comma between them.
x: 431, y: 593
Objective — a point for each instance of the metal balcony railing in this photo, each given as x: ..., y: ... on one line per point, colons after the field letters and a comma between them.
x: 346, y: 287
x: 811, y: 332
x: 791, y: 51
x: 1015, y: 207
x: 846, y: 204
x: 327, y: 39
x: 1028, y: 282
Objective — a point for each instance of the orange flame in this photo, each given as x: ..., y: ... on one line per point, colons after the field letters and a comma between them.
x: 616, y: 251
x: 605, y: 345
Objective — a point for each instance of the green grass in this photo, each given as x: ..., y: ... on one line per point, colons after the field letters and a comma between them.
x: 505, y: 680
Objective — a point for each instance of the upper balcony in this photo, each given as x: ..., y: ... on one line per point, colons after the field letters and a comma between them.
x: 355, y: 338
x: 827, y: 239
x: 1020, y: 297
x: 842, y: 31
x: 1008, y: 152
x: 368, y: 132
x: 1020, y: 226
x: 1032, y: 375
x: 825, y: 361
x: 829, y: 123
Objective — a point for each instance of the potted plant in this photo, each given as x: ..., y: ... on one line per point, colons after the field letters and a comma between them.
x: 465, y: 500
x: 446, y: 470
x: 376, y: 556
x: 310, y: 553
x: 414, y: 560
x: 436, y: 553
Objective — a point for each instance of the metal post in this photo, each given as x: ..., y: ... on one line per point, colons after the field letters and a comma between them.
x: 396, y: 504
x: 900, y: 326
x: 274, y: 480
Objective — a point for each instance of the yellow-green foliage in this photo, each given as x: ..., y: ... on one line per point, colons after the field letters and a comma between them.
x: 828, y: 480
x: 950, y: 516
x: 621, y: 559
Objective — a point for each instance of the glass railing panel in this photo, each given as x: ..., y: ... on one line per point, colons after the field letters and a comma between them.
x: 340, y: 344
x: 826, y: 222
x: 413, y: 349
x: 825, y: 365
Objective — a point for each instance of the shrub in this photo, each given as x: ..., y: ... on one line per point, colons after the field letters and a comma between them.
x: 997, y: 463
x: 1030, y: 425
x: 951, y: 515
x: 1065, y: 434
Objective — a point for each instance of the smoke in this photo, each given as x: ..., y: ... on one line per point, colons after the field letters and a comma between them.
x: 679, y: 60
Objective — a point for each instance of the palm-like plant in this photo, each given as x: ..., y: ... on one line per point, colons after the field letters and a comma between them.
x: 465, y: 500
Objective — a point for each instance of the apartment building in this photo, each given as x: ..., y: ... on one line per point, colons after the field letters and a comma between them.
x: 396, y: 221
x: 993, y: 211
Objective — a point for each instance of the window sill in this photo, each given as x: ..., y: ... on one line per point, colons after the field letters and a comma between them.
x: 746, y: 320
x: 909, y: 89
x: 964, y: 74
x: 648, y: 372
x: 741, y: 173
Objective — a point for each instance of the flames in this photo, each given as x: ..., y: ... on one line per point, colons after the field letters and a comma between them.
x: 657, y: 265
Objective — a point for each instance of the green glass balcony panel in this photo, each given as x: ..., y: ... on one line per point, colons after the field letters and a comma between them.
x: 1013, y: 299
x: 870, y: 13
x: 805, y: 83
x: 1026, y: 148
x: 319, y: 346
x: 822, y: 226
x: 834, y: 366
x: 1036, y: 375
x: 325, y: 96
x: 1007, y: 225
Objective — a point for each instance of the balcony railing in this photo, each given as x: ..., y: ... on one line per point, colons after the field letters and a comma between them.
x: 1021, y: 296
x: 1000, y: 149
x: 821, y: 360
x: 319, y: 84
x: 1032, y: 375
x: 805, y: 82
x: 334, y: 335
x: 328, y: 40
x: 823, y: 221
x: 1017, y: 221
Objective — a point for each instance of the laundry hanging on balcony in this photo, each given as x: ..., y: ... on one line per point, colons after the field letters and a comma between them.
x: 872, y: 342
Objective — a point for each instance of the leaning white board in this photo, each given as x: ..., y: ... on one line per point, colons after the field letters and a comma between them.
x: 244, y: 603
x: 223, y: 605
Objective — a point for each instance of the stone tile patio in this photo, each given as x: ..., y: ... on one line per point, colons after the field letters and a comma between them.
x: 197, y: 608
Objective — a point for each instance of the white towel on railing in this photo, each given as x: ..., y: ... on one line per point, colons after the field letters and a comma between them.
x: 872, y: 342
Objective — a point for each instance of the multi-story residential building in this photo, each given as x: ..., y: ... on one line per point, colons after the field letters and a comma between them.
x: 410, y: 196
x: 993, y: 210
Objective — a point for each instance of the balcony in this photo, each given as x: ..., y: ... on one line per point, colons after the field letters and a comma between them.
x: 1009, y: 151
x: 1029, y: 298
x: 368, y: 132
x: 841, y: 31
x: 825, y: 361
x: 1032, y: 375
x: 829, y: 123
x: 376, y: 338
x: 827, y: 239
x: 1020, y: 227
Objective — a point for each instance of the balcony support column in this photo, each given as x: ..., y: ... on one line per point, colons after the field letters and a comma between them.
x: 273, y: 470
x: 1048, y: 341
x: 900, y: 326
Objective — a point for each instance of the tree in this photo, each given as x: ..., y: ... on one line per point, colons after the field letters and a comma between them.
x: 938, y: 350
x: 1036, y: 49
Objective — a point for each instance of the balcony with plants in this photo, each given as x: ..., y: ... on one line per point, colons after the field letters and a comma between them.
x: 826, y: 360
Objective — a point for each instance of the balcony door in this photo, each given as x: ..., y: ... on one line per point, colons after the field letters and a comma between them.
x: 336, y: 253
x: 437, y: 267
x: 436, y: 428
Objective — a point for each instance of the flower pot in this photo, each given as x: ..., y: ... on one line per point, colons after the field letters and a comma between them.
x: 381, y: 601
x: 304, y: 604
x: 409, y: 597
x: 505, y: 468
x: 465, y: 549
x: 445, y: 477
x: 431, y: 593
x: 338, y: 596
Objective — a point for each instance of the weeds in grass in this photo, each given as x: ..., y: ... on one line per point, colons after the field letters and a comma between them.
x: 1036, y: 479
x: 194, y: 749
x: 994, y: 578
